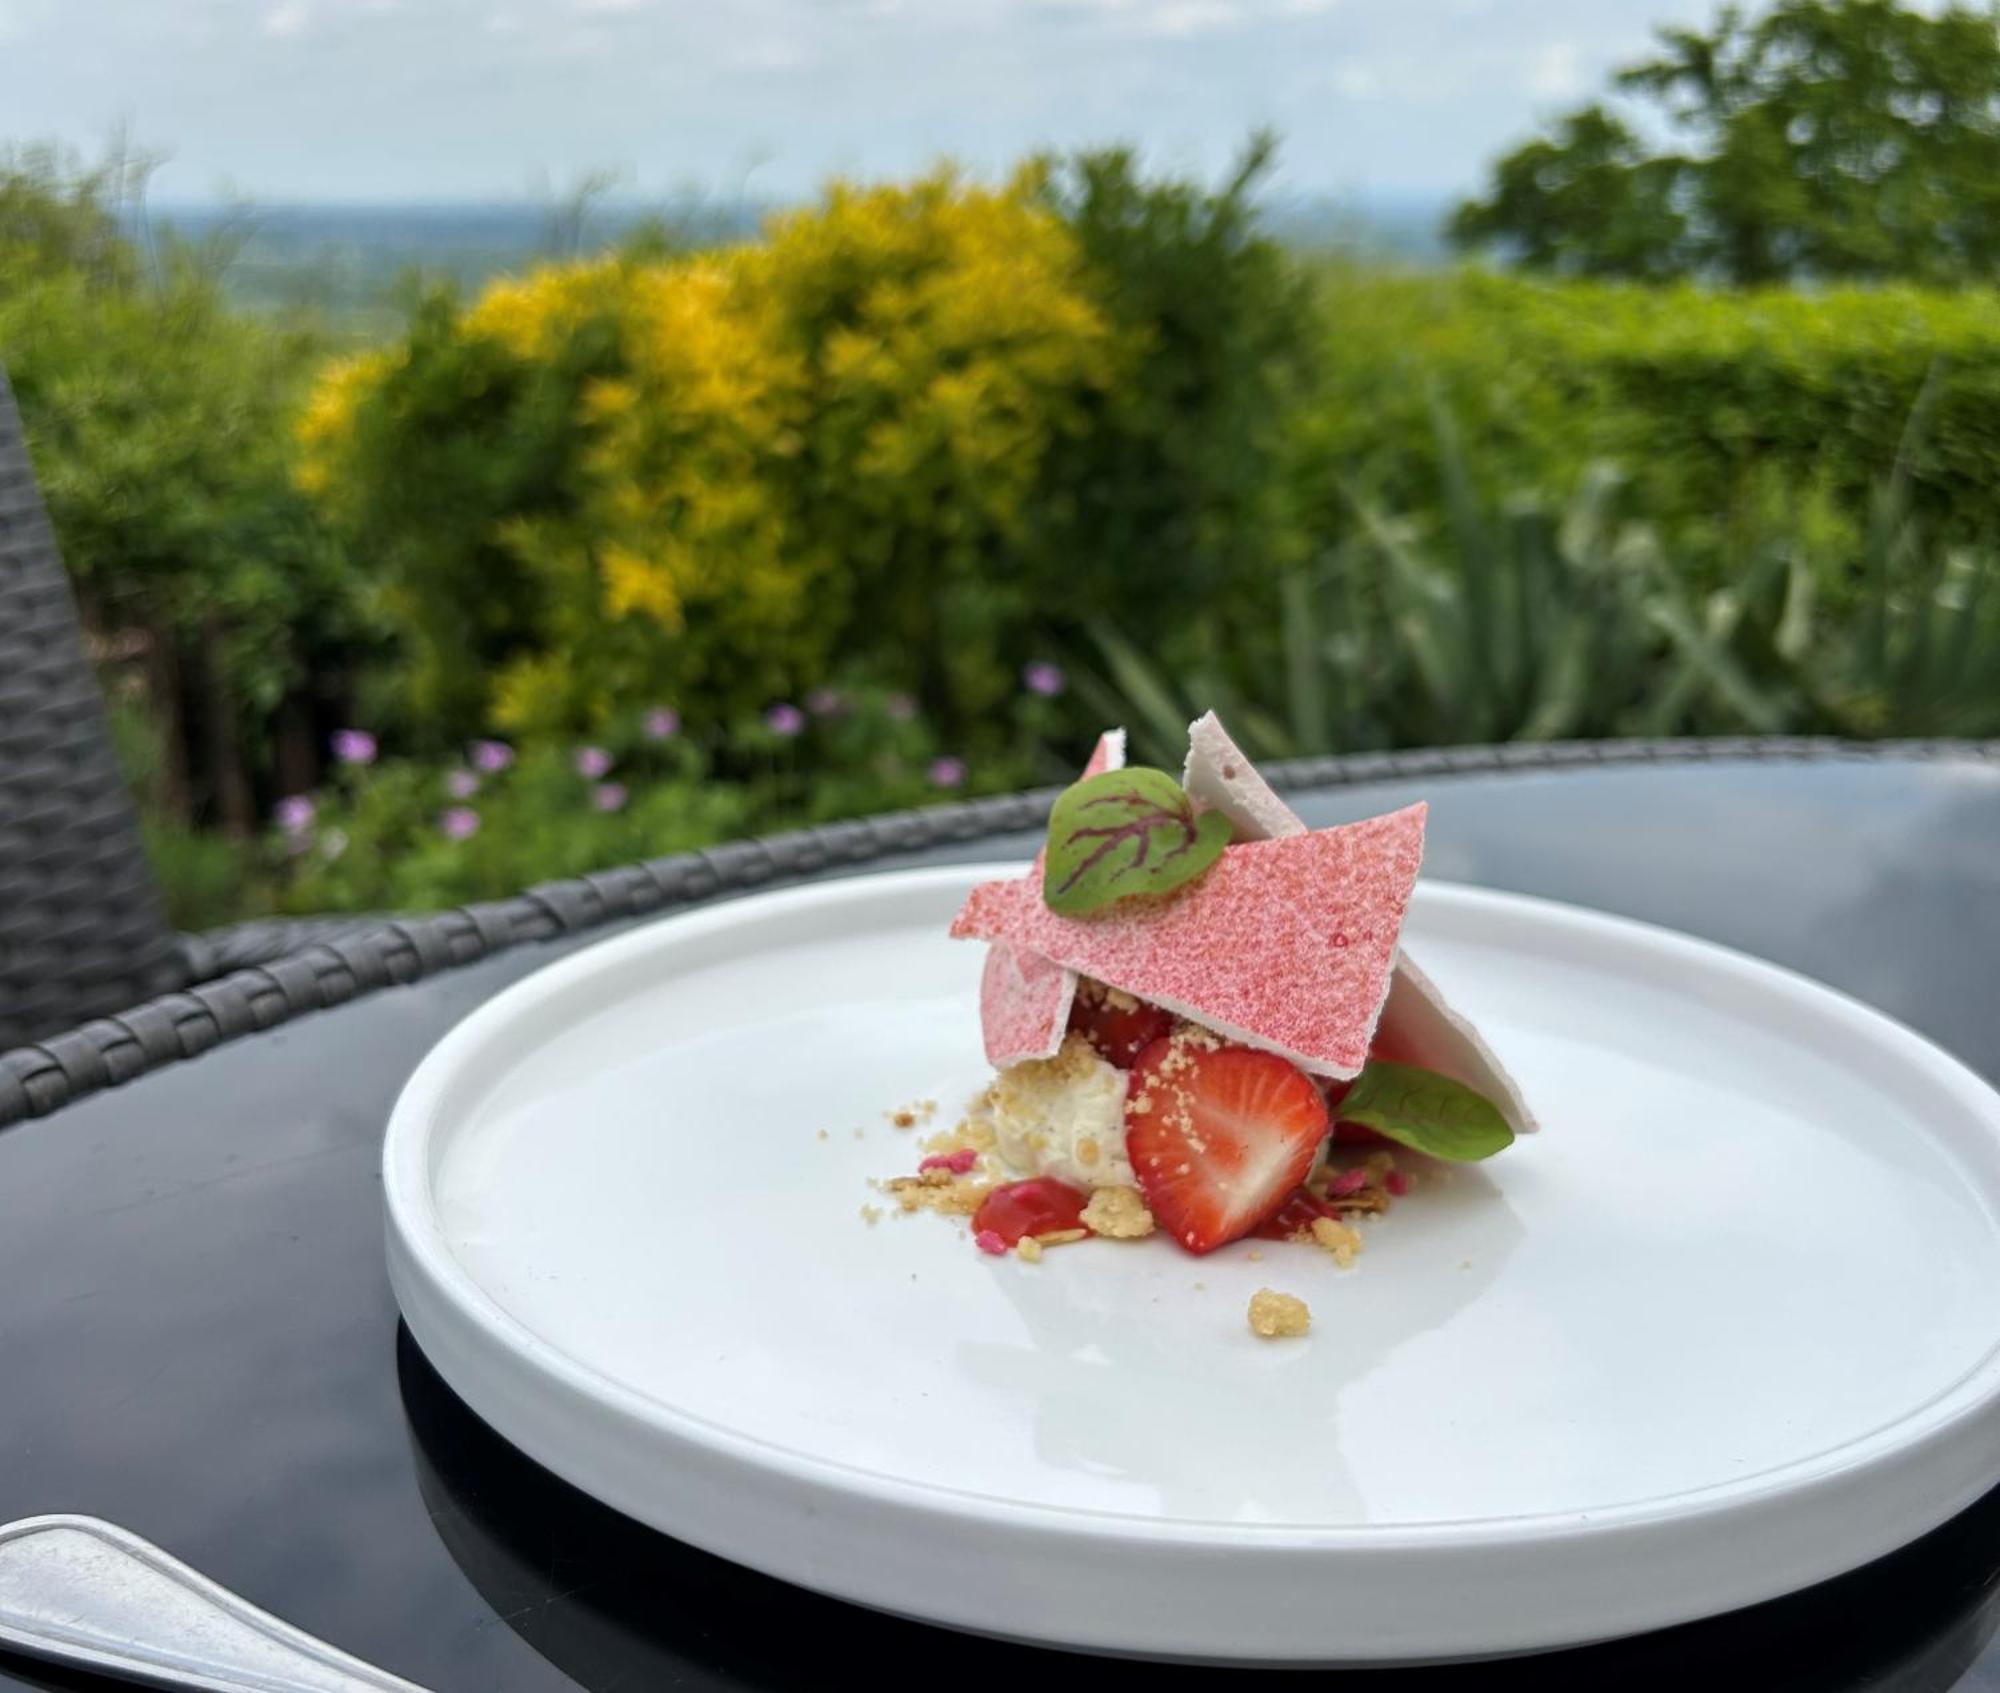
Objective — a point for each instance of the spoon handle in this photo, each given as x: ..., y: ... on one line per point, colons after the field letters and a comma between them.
x: 80, y: 1591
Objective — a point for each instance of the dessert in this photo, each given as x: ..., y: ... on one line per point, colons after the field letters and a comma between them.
x: 1203, y: 1024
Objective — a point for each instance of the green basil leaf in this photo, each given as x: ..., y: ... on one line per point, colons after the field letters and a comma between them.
x: 1425, y: 1111
x: 1126, y: 832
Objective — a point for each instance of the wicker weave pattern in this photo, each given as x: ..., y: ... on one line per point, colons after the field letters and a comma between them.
x: 359, y: 959
x: 81, y: 929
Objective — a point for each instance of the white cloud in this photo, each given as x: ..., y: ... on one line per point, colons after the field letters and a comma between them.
x: 1356, y: 80
x: 773, y: 53
x: 474, y: 97
x: 1556, y: 72
x: 1188, y: 17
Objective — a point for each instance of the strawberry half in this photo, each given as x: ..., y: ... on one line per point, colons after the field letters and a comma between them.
x: 1220, y: 1137
x: 1119, y: 1030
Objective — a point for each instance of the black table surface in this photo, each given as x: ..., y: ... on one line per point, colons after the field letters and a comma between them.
x: 197, y: 1338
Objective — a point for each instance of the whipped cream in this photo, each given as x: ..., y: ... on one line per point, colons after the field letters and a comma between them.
x: 1062, y: 1117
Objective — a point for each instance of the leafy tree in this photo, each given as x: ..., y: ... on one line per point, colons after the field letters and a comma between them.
x: 1824, y: 139
x: 157, y: 419
x: 1169, y: 498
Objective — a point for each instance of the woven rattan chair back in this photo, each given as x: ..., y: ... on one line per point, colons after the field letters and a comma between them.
x: 81, y: 929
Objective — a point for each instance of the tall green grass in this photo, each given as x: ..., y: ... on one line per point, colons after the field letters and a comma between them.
x: 1521, y: 620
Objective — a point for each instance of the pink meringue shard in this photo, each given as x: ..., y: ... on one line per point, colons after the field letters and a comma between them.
x: 1284, y: 944
x: 1024, y: 999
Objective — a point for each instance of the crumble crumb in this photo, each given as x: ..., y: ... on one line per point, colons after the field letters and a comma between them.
x: 1029, y: 1249
x: 1340, y: 1239
x: 871, y: 1214
x: 1118, y: 1213
x: 955, y: 1196
x: 1256, y: 1255
x: 1061, y: 1237
x: 902, y: 1117
x: 822, y: 1134
x: 971, y: 1131
x: 1274, y: 1315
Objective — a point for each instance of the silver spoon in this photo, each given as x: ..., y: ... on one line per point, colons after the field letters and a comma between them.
x: 79, y: 1591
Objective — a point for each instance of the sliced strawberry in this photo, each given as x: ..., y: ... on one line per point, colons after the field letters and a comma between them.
x: 1040, y: 1205
x: 1218, y: 1136
x: 1120, y: 1030
x: 1294, y: 1216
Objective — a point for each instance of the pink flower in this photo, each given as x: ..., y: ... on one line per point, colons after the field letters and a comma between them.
x: 947, y: 772
x: 1044, y: 678
x: 295, y: 814
x: 591, y: 762
x: 662, y: 723
x: 826, y: 702
x: 354, y: 746
x: 900, y: 707
x: 785, y: 719
x: 491, y: 756
x: 461, y: 784
x: 608, y: 796
x: 460, y: 822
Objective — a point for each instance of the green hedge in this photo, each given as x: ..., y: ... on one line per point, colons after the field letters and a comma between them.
x: 1715, y: 403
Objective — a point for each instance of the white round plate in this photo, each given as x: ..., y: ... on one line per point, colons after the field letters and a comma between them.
x: 1726, y: 1327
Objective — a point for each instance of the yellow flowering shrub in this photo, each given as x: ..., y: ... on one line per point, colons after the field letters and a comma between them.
x: 703, y: 478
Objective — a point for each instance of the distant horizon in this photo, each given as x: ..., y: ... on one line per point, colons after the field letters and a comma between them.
x: 1400, y: 199
x: 350, y: 260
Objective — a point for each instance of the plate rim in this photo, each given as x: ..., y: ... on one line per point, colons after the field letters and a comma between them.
x: 416, y: 1227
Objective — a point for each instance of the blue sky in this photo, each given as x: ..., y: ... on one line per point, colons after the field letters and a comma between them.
x: 423, y: 99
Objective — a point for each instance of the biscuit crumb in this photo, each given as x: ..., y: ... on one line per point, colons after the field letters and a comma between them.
x: 871, y: 1214
x: 1118, y: 1213
x: 1061, y: 1237
x: 1274, y: 1315
x: 955, y: 1196
x: 1256, y: 1255
x: 972, y: 1130
x: 822, y: 1134
x: 1030, y: 1249
x: 1343, y: 1241
x: 903, y: 1117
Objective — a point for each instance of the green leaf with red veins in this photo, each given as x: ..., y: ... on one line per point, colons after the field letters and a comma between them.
x: 1425, y: 1111
x: 1123, y: 833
